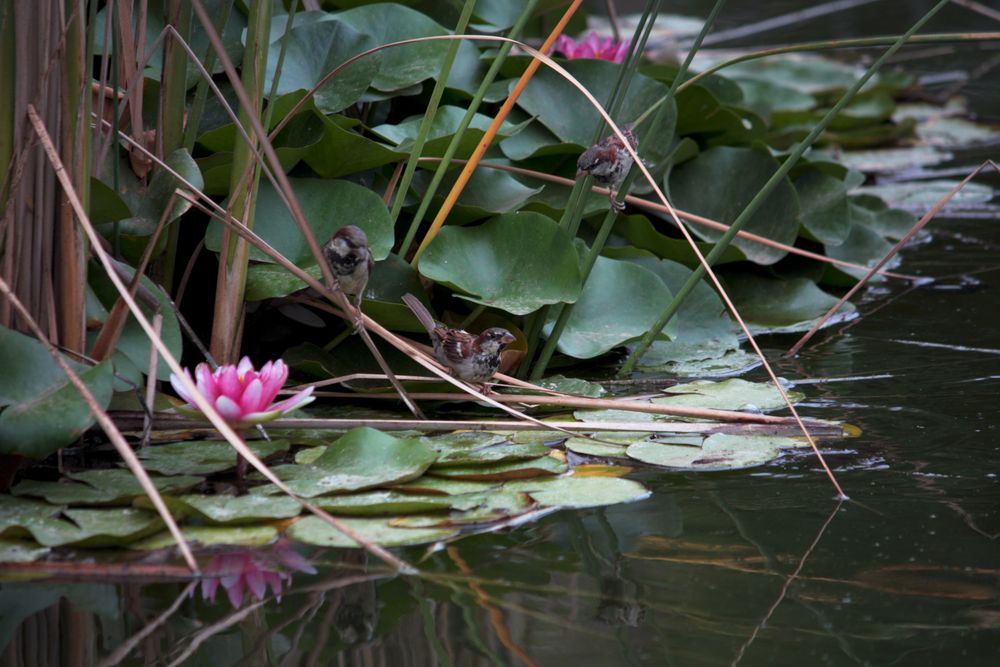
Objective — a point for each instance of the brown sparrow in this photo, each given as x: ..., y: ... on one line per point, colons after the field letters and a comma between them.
x: 608, y: 162
x: 351, y: 262
x: 470, y: 358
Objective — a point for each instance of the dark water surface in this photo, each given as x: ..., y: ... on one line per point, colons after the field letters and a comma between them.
x: 758, y: 567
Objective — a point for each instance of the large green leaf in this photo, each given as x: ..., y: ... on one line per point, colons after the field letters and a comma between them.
x: 717, y: 452
x: 202, y: 457
x: 732, y: 394
x: 770, y: 304
x: 314, y: 49
x: 516, y: 262
x: 327, y: 157
x: 604, y: 317
x: 383, y: 502
x: 313, y: 530
x: 252, y: 536
x: 222, y: 509
x: 44, y: 414
x: 721, y: 181
x: 445, y: 124
x: 114, y: 486
x: 52, y: 525
x: 362, y: 458
x: 578, y: 491
x: 328, y: 205
x: 488, y: 192
x: 824, y: 206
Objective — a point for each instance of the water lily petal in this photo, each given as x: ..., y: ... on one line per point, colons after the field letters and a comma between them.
x: 175, y: 382
x: 292, y: 559
x: 295, y: 401
x: 229, y: 409
x: 251, y: 401
x: 235, y: 593
x: 254, y: 578
x: 244, y: 366
x: 229, y: 384
x: 209, y: 585
x: 254, y: 418
x: 273, y: 381
x: 207, y: 383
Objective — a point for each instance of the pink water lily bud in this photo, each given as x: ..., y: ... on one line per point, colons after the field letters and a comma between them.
x: 593, y: 47
x: 242, y: 395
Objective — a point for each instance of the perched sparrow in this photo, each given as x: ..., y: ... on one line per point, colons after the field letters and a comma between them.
x: 608, y: 162
x: 351, y: 262
x: 470, y: 358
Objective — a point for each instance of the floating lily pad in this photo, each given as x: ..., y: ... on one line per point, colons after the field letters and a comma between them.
x: 591, y: 448
x: 202, y: 457
x: 950, y: 132
x: 383, y: 502
x: 716, y: 453
x: 517, y: 262
x: 893, y: 159
x: 313, y: 530
x: 463, y: 441
x: 545, y: 465
x: 116, y: 486
x: 924, y: 194
x: 612, y: 415
x: 480, y: 509
x: 575, y: 491
x: 361, y: 459
x: 768, y: 304
x: 21, y: 551
x: 490, y: 454
x: 251, y: 536
x: 222, y: 509
x: 441, y: 486
x: 54, y: 526
x: 732, y: 394
x: 309, y: 455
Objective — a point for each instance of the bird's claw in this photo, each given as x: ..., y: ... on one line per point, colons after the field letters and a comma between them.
x: 615, y: 204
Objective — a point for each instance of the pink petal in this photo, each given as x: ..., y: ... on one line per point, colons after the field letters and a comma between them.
x: 565, y: 45
x: 293, y: 560
x: 209, y: 585
x: 229, y: 383
x: 254, y: 578
x: 244, y: 366
x: 235, y: 593
x: 271, y: 385
x: 181, y: 390
x: 593, y: 42
x: 251, y: 401
x: 296, y: 401
x: 273, y: 579
x: 229, y: 409
x: 621, y: 51
x: 207, y: 384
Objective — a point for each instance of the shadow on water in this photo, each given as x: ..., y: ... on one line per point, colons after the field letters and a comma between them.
x: 758, y: 567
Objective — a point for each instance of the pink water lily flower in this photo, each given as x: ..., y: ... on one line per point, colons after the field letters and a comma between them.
x: 249, y: 571
x: 593, y: 47
x: 242, y: 395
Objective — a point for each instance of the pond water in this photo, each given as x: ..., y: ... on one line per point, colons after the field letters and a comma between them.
x: 757, y: 567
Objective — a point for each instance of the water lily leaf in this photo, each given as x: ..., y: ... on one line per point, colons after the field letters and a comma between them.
x: 766, y: 97
x: 463, y: 441
x: 251, y: 536
x: 446, y: 122
x: 489, y: 454
x: 714, y: 454
x: 703, y: 116
x: 56, y: 415
x: 383, y: 502
x: 806, y: 73
x: 21, y: 551
x: 313, y: 530
x: 572, y: 386
x: 770, y: 304
x: 642, y: 233
x: 516, y: 262
x: 328, y: 205
x: 488, y: 192
x: 579, y: 492
x: 893, y: 159
x: 441, y: 486
x: 874, y: 213
x: 105, y: 204
x: 202, y: 457
x: 314, y: 49
x: 919, y: 195
x: 824, y: 206
x: 54, y: 526
x: 115, y: 486
x: 223, y: 509
x: 721, y: 181
x: 612, y: 415
x: 545, y: 465
x: 588, y: 447
x: 950, y: 132
x: 602, y: 319
x: 863, y: 246
x: 482, y: 509
x: 360, y: 459
x: 327, y: 157
x: 731, y: 394
x: 865, y: 109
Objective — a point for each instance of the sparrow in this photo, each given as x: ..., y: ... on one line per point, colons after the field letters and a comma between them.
x: 608, y: 162
x: 351, y: 263
x: 471, y: 358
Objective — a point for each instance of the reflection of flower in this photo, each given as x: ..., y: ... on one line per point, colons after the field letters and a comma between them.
x: 242, y: 395
x: 593, y: 47
x: 253, y: 571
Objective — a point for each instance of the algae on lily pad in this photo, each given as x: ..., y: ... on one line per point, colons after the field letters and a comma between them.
x: 313, y: 530
x: 202, y: 457
x: 115, y: 486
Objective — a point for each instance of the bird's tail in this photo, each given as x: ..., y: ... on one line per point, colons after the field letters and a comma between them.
x: 420, y: 311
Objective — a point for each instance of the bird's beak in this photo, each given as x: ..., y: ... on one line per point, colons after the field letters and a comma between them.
x: 508, y: 338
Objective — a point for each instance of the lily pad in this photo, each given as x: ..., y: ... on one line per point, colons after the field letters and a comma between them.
x: 787, y: 305
x: 578, y: 492
x: 893, y: 159
x: 440, y: 486
x: 313, y: 530
x: 732, y: 394
x: 116, y: 486
x: 202, y: 457
x: 383, y: 502
x: 517, y: 262
x: 491, y: 453
x: 21, y: 551
x: 921, y: 195
x: 545, y: 465
x: 54, y: 526
x: 715, y: 454
x: 361, y: 459
x: 222, y: 509
x: 591, y: 448
x: 252, y: 536
x: 482, y: 509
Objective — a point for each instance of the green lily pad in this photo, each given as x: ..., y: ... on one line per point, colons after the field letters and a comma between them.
x: 445, y: 124
x: 116, y: 486
x: 924, y: 194
x: 44, y: 411
x: 516, y: 262
x: 785, y: 305
x: 591, y: 448
x: 576, y: 491
x: 480, y: 509
x: 54, y: 526
x: 473, y: 448
x: 612, y: 415
x: 602, y: 319
x: 951, y: 132
x: 21, y: 551
x: 488, y: 192
x: 463, y: 441
x: 202, y: 457
x: 732, y: 394
x: 309, y: 455
x: 222, y: 509
x: 383, y: 502
x: 721, y: 181
x: 545, y: 465
x: 440, y: 486
x: 361, y: 459
x: 326, y: 157
x: 893, y: 159
x: 824, y: 206
x: 251, y: 536
x: 716, y: 453
x: 313, y: 530
x: 863, y: 246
